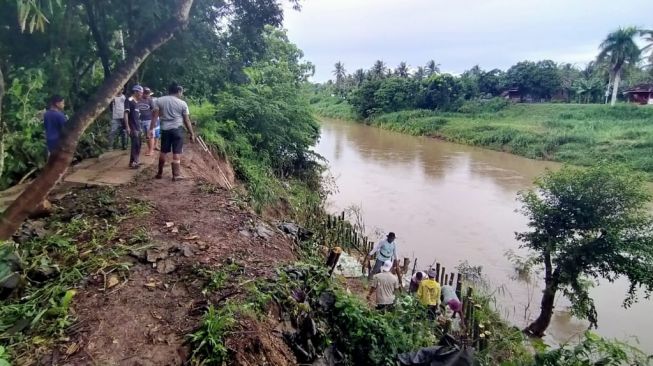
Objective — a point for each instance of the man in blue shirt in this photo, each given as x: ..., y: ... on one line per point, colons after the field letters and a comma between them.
x: 54, y: 121
x: 385, y: 250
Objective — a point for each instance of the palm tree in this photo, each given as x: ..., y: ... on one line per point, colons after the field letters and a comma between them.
x: 419, y: 73
x: 359, y: 76
x: 619, y: 50
x: 402, y: 70
x: 378, y: 70
x: 339, y: 72
x: 647, y: 34
x: 432, y: 68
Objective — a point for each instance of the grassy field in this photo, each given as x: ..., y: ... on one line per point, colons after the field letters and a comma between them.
x: 571, y: 133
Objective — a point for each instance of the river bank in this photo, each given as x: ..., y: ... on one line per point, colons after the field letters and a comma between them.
x: 568, y: 133
x: 457, y: 203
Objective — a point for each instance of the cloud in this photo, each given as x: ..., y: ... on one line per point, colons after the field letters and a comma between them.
x: 457, y: 34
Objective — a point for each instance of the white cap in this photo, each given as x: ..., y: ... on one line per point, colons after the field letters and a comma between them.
x: 387, y: 266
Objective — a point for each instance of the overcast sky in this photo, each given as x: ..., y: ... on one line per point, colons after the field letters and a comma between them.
x: 456, y: 34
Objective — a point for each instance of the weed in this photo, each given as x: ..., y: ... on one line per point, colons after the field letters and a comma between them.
x: 208, y: 342
x: 140, y: 209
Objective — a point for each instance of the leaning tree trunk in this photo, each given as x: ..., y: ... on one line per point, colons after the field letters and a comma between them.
x: 542, y: 322
x: 59, y: 161
x: 551, y: 278
x: 2, y: 125
x: 615, y: 87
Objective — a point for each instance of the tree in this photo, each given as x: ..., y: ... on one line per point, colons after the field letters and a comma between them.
x: 432, y: 68
x: 402, y: 70
x: 618, y: 50
x: 588, y: 224
x: 539, y: 80
x: 340, y: 73
x: 59, y: 161
x: 359, y: 77
x: 420, y: 73
x: 378, y: 70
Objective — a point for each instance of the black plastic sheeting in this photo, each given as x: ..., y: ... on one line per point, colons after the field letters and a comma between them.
x: 445, y: 354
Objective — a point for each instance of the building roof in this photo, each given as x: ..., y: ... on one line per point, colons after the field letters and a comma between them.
x: 640, y: 88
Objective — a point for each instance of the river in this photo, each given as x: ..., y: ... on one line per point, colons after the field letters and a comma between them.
x: 450, y: 203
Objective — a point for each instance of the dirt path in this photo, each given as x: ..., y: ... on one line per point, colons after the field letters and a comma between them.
x: 143, y: 318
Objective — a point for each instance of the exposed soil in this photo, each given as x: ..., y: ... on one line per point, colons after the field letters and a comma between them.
x: 196, y: 223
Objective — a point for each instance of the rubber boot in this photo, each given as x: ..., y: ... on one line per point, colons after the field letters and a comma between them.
x: 176, y: 171
x: 159, y: 174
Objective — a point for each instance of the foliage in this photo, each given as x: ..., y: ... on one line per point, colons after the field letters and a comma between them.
x: 265, y: 125
x: 590, y: 223
x: 539, y: 80
x: 592, y: 350
x: 208, y: 342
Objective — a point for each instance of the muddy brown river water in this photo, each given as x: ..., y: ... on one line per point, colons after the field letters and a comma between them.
x: 453, y: 203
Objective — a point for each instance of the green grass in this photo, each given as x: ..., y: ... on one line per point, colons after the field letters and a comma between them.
x: 332, y: 107
x: 569, y: 133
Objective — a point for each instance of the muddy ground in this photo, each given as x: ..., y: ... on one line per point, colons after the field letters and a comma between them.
x: 143, y: 317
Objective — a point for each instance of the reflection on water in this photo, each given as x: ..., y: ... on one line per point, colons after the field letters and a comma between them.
x: 450, y: 203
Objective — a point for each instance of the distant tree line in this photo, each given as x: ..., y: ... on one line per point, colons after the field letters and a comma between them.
x: 382, y: 89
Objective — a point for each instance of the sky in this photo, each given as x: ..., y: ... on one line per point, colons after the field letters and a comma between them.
x: 456, y: 34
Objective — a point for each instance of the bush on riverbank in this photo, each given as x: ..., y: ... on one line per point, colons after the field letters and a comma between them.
x: 570, y: 133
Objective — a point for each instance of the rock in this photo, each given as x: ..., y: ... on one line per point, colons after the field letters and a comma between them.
x: 187, y: 251
x: 245, y: 233
x: 112, y: 281
x: 263, y: 230
x: 155, y: 254
x: 166, y: 266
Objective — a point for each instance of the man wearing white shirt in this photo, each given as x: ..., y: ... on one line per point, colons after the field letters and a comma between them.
x: 117, y: 108
x: 385, y: 250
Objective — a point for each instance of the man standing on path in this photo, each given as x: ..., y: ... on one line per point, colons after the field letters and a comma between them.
x: 173, y: 114
x: 428, y: 293
x: 133, y: 125
x: 386, y: 250
x: 146, y: 108
x: 384, y: 284
x: 54, y: 121
x: 117, y: 108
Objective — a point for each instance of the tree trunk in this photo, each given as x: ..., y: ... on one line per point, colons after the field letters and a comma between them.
x: 542, y: 322
x: 102, y: 47
x: 2, y: 125
x: 59, y: 161
x: 615, y: 87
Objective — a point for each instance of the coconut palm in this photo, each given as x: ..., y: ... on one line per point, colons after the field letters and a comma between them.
x: 378, y: 70
x: 619, y: 50
x: 647, y: 35
x: 402, y: 70
x: 432, y: 68
x: 419, y: 73
x: 359, y: 77
x: 339, y: 72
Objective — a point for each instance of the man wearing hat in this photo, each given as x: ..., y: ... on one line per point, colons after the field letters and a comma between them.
x: 428, y: 293
x: 385, y: 250
x: 384, y: 285
x: 146, y: 107
x: 133, y: 125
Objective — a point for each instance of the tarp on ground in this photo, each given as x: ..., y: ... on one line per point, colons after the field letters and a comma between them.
x: 437, y: 356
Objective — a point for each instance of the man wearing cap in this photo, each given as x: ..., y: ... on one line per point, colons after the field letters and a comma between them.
x: 174, y: 115
x: 384, y: 285
x: 145, y: 107
x: 133, y: 125
x: 428, y: 293
x: 385, y: 250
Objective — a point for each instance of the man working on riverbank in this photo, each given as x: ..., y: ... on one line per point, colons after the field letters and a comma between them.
x: 173, y: 113
x: 385, y: 250
x: 384, y: 285
x: 428, y: 293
